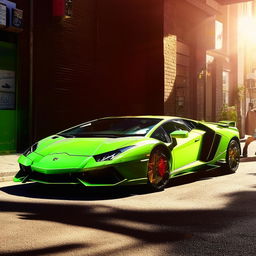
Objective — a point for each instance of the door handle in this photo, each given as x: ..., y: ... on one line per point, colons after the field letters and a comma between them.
x: 197, y: 140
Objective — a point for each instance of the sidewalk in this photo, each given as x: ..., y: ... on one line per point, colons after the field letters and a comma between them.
x: 9, y: 165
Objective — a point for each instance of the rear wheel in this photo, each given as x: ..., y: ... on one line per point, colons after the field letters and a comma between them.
x: 158, y: 170
x: 232, y: 157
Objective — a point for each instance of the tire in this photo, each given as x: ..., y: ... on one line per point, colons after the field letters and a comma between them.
x: 158, y: 170
x: 232, y: 157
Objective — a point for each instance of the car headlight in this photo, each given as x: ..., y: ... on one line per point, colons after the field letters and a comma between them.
x: 110, y: 155
x: 30, y: 149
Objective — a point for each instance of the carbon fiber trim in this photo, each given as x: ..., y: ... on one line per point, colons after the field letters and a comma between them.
x: 214, y: 147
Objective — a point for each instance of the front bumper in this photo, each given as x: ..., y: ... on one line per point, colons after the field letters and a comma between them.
x: 123, y: 174
x: 105, y: 176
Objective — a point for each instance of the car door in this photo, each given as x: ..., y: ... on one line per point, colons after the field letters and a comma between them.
x: 187, y: 150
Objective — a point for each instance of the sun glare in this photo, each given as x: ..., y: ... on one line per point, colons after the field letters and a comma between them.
x: 247, y: 29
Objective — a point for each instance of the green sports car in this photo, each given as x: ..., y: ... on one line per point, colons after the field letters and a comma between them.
x: 131, y: 150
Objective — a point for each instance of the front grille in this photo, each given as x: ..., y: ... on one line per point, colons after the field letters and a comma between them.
x: 53, y: 178
x: 102, y: 176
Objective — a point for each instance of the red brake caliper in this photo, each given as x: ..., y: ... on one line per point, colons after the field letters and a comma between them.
x: 162, y: 166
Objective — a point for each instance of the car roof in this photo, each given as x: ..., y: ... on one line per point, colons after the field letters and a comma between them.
x: 144, y: 116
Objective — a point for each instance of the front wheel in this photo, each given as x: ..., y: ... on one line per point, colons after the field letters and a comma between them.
x: 232, y: 157
x: 158, y: 170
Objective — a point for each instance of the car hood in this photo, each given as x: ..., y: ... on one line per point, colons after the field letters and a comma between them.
x: 85, y: 146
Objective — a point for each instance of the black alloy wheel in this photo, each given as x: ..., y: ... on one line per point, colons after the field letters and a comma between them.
x: 232, y: 157
x: 158, y: 170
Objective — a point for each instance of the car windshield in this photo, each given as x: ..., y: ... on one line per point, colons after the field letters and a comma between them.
x: 113, y: 127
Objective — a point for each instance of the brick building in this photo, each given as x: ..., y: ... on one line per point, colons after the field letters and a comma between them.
x: 247, y: 52
x: 202, y: 76
x: 120, y: 57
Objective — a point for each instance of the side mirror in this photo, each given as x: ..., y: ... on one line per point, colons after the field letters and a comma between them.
x: 179, y: 134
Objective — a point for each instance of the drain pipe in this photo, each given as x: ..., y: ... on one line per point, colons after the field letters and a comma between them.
x: 31, y: 70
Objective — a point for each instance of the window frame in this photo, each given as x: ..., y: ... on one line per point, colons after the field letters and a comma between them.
x: 167, y: 137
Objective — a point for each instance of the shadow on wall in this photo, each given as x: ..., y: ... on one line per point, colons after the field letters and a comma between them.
x: 176, y: 102
x: 170, y: 100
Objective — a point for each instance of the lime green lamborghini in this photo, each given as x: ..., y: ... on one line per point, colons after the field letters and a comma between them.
x: 130, y: 150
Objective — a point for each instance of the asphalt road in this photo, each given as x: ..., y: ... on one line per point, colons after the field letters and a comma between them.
x: 203, y: 214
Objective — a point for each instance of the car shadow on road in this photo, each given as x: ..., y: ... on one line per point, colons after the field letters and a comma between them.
x: 197, y: 176
x: 72, y: 192
x: 79, y: 192
x: 154, y: 226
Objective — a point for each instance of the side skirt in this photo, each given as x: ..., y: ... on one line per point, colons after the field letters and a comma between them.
x: 186, y: 170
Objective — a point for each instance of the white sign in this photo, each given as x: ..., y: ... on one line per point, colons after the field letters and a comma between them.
x: 7, y: 81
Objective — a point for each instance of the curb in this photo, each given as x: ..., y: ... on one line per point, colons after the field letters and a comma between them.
x: 10, y: 173
x: 248, y: 159
x: 6, y: 178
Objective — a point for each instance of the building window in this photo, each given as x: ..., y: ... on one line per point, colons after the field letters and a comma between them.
x: 182, y: 79
x: 225, y: 82
x: 218, y: 35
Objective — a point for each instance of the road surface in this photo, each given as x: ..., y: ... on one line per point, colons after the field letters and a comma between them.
x: 204, y: 214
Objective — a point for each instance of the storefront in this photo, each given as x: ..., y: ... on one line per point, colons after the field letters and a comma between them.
x: 10, y: 26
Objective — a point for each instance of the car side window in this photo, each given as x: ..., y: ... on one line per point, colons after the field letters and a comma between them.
x: 191, y: 124
x: 181, y: 125
x: 172, y: 126
x: 161, y: 135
